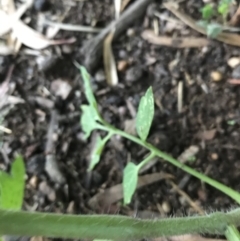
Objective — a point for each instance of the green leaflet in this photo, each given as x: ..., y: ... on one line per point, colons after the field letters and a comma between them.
x: 130, y: 178
x: 12, y: 186
x: 145, y: 114
x: 88, y: 120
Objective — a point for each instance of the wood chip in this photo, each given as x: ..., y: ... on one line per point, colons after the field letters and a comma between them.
x: 33, y: 39
x: 207, y: 135
x: 188, y: 153
x: 235, y: 20
x: 180, y: 42
x: 109, y: 61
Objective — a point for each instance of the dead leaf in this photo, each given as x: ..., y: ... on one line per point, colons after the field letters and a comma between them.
x: 148, y: 165
x: 33, y: 39
x: 188, y: 153
x: 13, y: 100
x: 43, y: 102
x: 122, y: 65
x: 22, y: 33
x: 109, y: 61
x: 186, y: 197
x: 124, y: 4
x: 115, y: 193
x: 5, y: 130
x: 14, y: 14
x: 235, y: 20
x: 130, y: 126
x: 5, y: 50
x: 4, y: 88
x: 234, y: 81
x: 207, y: 135
x: 72, y: 27
x: 117, y: 4
x: 180, y: 42
x: 6, y: 27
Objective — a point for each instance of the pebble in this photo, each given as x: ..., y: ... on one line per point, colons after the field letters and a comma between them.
x: 133, y: 74
x: 67, y: 49
x: 130, y: 32
x: 214, y: 156
x: 123, y: 54
x: 236, y: 72
x: 61, y: 88
x: 53, y: 170
x: 233, y: 62
x: 71, y: 207
x: 47, y: 191
x: 216, y: 76
x: 33, y: 181
x: 45, y: 63
x: 182, y: 201
x: 202, y: 194
x: 166, y: 207
x: 100, y: 76
x: 122, y: 65
x: 35, y: 164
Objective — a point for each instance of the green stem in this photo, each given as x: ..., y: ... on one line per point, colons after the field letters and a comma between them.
x: 111, y: 227
x: 146, y: 160
x: 228, y: 191
x: 107, y: 137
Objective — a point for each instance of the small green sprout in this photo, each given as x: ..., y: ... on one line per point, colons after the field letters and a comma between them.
x: 231, y: 122
x: 210, y: 12
x: 207, y: 11
x: 223, y: 8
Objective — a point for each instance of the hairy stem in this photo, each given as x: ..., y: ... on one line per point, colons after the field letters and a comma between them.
x: 111, y: 227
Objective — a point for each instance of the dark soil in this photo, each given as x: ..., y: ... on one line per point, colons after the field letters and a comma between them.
x: 207, y: 106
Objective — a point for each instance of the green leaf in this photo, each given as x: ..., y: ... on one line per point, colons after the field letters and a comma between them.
x: 223, y: 9
x: 12, y: 186
x: 223, y: 6
x: 213, y: 30
x: 98, y: 149
x: 88, y: 120
x: 145, y: 114
x: 130, y: 178
x: 203, y: 23
x: 231, y: 122
x: 87, y: 87
x: 207, y: 11
x: 232, y: 233
x: 96, y: 153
